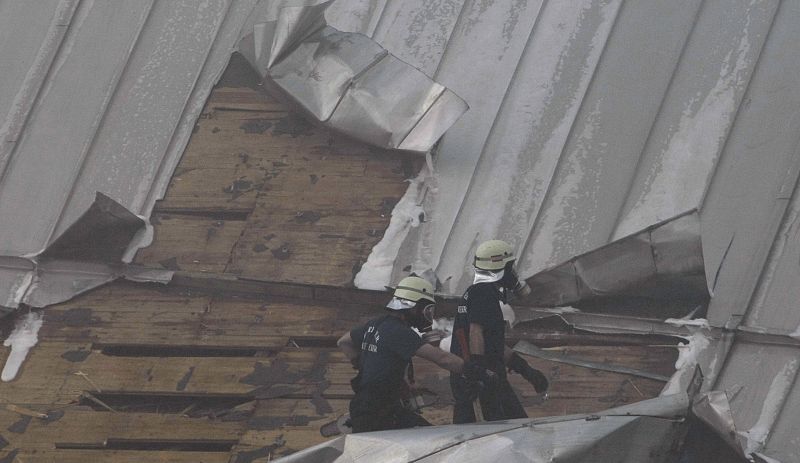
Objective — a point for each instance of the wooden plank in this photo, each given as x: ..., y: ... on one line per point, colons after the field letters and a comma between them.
x: 42, y: 376
x: 334, y: 259
x: 270, y: 318
x: 235, y: 286
x: 319, y: 202
x: 116, y: 456
x: 222, y: 167
x: 190, y: 243
x: 293, y: 372
x: 243, y: 99
x: 324, y: 207
x: 124, y: 296
x: 288, y: 425
x: 137, y: 314
x: 230, y: 284
x: 127, y: 312
x: 80, y: 426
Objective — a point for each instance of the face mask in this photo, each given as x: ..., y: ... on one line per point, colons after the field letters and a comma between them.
x: 421, y: 316
x: 429, y: 312
x: 485, y: 276
x: 400, y: 304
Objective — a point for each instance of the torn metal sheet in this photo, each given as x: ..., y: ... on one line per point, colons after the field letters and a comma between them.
x: 600, y: 323
x: 661, y: 263
x: 59, y: 280
x: 527, y: 348
x: 714, y: 409
x: 647, y: 430
x: 766, y: 405
x: 16, y: 274
x: 102, y: 234
x: 133, y: 98
x: 88, y: 254
x: 761, y: 458
x: 346, y: 80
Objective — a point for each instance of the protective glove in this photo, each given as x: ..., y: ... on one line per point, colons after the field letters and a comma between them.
x: 478, y: 378
x: 475, y: 371
x: 532, y: 375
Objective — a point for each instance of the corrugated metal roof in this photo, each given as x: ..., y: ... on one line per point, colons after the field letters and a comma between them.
x: 645, y: 429
x: 97, y: 97
x: 589, y: 120
x: 110, y: 129
x: 593, y: 119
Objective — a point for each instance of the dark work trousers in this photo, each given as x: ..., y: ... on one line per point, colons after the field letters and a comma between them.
x: 374, y: 411
x: 497, y: 403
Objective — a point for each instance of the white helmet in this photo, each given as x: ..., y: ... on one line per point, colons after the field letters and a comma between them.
x: 493, y: 255
x: 408, y: 294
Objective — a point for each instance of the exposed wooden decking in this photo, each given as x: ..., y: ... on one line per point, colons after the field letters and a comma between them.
x: 219, y: 367
x: 262, y: 193
x: 194, y: 376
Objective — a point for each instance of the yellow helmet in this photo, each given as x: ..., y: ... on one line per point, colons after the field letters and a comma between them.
x: 493, y: 255
x: 414, y: 289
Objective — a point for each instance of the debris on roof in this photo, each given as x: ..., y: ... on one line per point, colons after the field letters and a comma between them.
x: 714, y: 409
x: 689, y: 357
x: 347, y: 80
x: 661, y: 265
x: 21, y: 340
x: 647, y: 431
x: 589, y: 120
x: 89, y: 253
x: 376, y: 273
x: 527, y: 348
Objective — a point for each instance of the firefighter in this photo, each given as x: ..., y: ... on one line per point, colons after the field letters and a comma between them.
x: 381, y: 351
x: 479, y: 336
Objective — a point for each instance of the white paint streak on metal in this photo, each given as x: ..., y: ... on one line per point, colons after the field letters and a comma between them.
x: 355, y: 15
x: 202, y: 81
x: 528, y: 137
x: 100, y: 116
x: 480, y: 75
x: 771, y: 407
x: 682, y: 156
x: 777, y: 309
x: 626, y: 98
x: 554, y: 225
x: 165, y: 67
x: 33, y: 82
x: 238, y: 11
x: 21, y: 341
x: 768, y: 125
x: 54, y: 142
x: 418, y: 33
x: 19, y: 289
x: 688, y: 358
x: 376, y: 273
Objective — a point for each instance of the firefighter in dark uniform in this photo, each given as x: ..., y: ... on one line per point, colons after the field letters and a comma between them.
x: 479, y: 336
x: 381, y: 351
